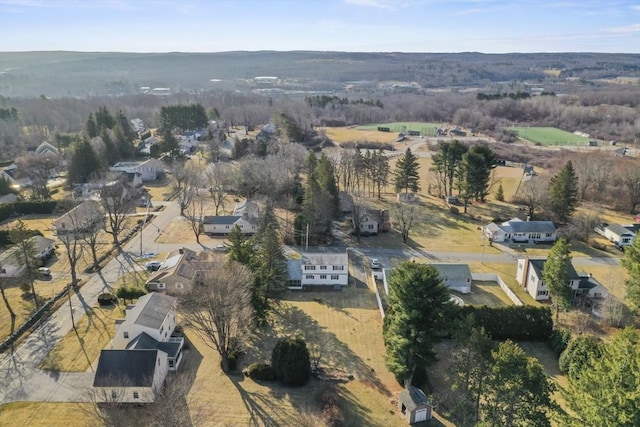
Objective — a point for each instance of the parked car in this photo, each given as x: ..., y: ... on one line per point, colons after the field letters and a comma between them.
x: 44, y: 272
x: 375, y: 263
x: 220, y: 248
x: 153, y: 265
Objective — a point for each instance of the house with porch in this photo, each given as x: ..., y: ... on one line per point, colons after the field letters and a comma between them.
x: 529, y: 275
x: 318, y: 269
x: 144, y: 349
x: 519, y: 231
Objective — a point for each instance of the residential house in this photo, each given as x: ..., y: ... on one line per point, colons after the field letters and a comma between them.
x: 188, y: 142
x: 83, y: 217
x: 46, y: 148
x: 149, y: 170
x: 456, y: 277
x: 247, y: 209
x: 345, y: 202
x: 374, y: 221
x: 318, y: 269
x: 176, y: 274
x: 414, y: 405
x: 43, y: 248
x: 6, y: 199
x: 620, y: 235
x: 530, y: 276
x: 130, y: 376
x: 222, y: 225
x: 518, y: 231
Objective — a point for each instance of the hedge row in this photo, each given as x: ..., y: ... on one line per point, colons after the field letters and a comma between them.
x: 518, y: 323
x: 24, y: 208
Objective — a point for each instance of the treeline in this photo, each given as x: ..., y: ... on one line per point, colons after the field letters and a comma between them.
x: 322, y: 101
x: 182, y: 117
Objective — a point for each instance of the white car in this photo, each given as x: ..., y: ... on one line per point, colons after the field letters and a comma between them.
x: 375, y: 263
x: 220, y: 248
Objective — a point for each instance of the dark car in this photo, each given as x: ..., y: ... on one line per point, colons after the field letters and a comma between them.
x: 153, y: 265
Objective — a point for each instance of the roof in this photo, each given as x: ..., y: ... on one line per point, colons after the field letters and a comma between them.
x: 453, y: 271
x: 325, y: 258
x: 519, y: 226
x: 144, y: 341
x: 221, y: 220
x: 538, y: 266
x: 8, y: 198
x: 619, y: 230
x: 294, y: 269
x: 125, y: 368
x: 45, y: 147
x: 82, y: 212
x: 413, y: 398
x: 152, y: 309
x: 247, y: 207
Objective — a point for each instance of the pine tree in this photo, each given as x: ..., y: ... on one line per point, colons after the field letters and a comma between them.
x: 500, y: 193
x: 631, y: 261
x: 556, y: 275
x: 406, y: 176
x: 269, y: 267
x: 92, y: 127
x: 563, y: 190
x: 84, y: 162
x: 240, y: 249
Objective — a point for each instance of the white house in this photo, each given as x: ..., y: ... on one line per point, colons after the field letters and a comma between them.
x: 222, y: 225
x: 130, y: 376
x: 456, y: 277
x: 620, y: 235
x: 519, y: 231
x: 530, y: 276
x: 318, y: 269
x: 144, y: 349
x: 149, y: 169
x: 83, y: 217
x: 9, y: 265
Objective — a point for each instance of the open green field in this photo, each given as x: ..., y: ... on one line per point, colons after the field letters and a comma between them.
x: 549, y: 136
x: 425, y: 128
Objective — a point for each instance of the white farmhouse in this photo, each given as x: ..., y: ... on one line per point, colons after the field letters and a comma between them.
x: 318, y: 269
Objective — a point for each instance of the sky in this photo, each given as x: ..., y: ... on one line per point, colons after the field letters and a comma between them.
x: 489, y: 26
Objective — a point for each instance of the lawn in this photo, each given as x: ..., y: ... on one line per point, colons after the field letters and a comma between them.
x: 351, y: 134
x: 549, y: 136
x: 425, y: 128
x: 485, y: 293
x: 43, y: 414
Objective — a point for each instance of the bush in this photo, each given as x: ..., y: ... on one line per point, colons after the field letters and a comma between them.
x: 597, y: 245
x: 290, y: 362
x: 518, y: 323
x: 578, y: 353
x: 454, y: 210
x: 261, y: 372
x: 559, y: 340
x: 107, y: 298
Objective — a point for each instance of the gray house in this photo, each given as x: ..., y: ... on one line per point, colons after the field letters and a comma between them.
x: 518, y: 231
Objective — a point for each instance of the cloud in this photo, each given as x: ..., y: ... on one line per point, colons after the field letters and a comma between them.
x: 627, y: 29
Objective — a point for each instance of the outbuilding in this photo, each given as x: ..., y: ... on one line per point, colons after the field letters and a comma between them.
x: 414, y: 405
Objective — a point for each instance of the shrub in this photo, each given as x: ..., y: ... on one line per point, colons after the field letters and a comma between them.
x: 290, y: 361
x: 559, y: 340
x: 578, y: 353
x: 518, y: 323
x: 597, y: 245
x: 454, y: 210
x: 261, y: 371
x: 107, y: 298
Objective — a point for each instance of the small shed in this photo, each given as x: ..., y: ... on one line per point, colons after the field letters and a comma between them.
x: 414, y: 405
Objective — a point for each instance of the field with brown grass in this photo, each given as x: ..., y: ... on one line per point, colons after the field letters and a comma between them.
x: 351, y: 134
x: 43, y: 414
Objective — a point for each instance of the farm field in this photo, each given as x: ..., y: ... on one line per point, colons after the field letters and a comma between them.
x: 351, y: 134
x: 550, y: 136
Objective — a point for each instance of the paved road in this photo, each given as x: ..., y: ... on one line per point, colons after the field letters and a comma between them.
x: 19, y: 374
x: 21, y: 380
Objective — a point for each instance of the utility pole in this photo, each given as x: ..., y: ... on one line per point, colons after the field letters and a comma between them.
x: 144, y: 223
x: 307, y: 245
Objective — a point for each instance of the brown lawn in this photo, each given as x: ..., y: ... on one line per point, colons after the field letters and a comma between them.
x: 351, y: 134
x: 42, y: 414
x: 485, y: 293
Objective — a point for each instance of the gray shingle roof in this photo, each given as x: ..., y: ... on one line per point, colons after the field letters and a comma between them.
x: 125, y: 368
x: 155, y: 309
x: 532, y: 226
x: 413, y: 398
x: 453, y: 271
x: 538, y: 266
x: 145, y: 342
x: 620, y: 230
x: 221, y: 220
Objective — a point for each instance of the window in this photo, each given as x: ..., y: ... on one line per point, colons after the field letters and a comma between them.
x: 309, y: 267
x: 136, y: 395
x: 126, y: 334
x: 309, y: 276
x: 543, y: 293
x: 548, y: 235
x: 323, y: 267
x: 226, y: 226
x: 171, y: 363
x: 338, y: 267
x: 370, y: 227
x: 323, y: 277
x: 334, y: 277
x: 161, y: 286
x: 113, y: 394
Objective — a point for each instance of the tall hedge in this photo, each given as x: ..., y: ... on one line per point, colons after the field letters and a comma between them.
x: 290, y: 362
x: 25, y: 208
x: 518, y: 323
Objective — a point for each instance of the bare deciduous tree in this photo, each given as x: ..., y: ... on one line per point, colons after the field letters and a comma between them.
x: 194, y: 212
x: 533, y: 194
x: 586, y: 221
x: 219, y: 311
x: 117, y: 200
x: 403, y: 215
x: 3, y: 283
x: 628, y: 171
x: 217, y: 176
x: 24, y: 255
x: 38, y: 167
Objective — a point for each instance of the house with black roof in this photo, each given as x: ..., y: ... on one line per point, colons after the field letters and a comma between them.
x: 144, y: 349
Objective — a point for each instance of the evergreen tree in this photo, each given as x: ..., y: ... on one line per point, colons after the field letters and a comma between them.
x: 83, y: 163
x: 406, y: 176
x: 5, y: 186
x: 123, y: 123
x: 240, y: 248
x: 631, y: 262
x: 500, y: 193
x: 24, y: 254
x: 607, y: 392
x: 556, y: 275
x: 92, y: 127
x: 169, y: 144
x: 419, y: 309
x: 122, y: 143
x: 269, y: 267
x: 104, y: 119
x: 517, y: 392
x: 291, y: 362
x: 111, y: 155
x: 446, y: 164
x: 326, y: 178
x: 563, y: 190
x: 576, y: 357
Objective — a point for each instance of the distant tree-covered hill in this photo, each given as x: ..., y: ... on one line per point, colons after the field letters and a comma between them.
x: 81, y: 74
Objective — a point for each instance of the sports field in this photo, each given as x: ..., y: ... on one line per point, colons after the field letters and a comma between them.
x: 425, y: 128
x: 550, y: 136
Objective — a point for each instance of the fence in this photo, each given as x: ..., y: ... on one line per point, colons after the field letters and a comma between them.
x: 492, y: 277
x: 375, y: 288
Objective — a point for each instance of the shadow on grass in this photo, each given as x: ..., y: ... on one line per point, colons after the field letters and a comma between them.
x: 288, y: 320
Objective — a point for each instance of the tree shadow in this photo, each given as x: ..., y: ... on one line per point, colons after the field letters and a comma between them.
x: 261, y: 410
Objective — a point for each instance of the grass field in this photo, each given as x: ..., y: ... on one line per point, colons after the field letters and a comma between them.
x: 42, y: 414
x: 351, y: 134
x: 425, y: 128
x: 549, y: 136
